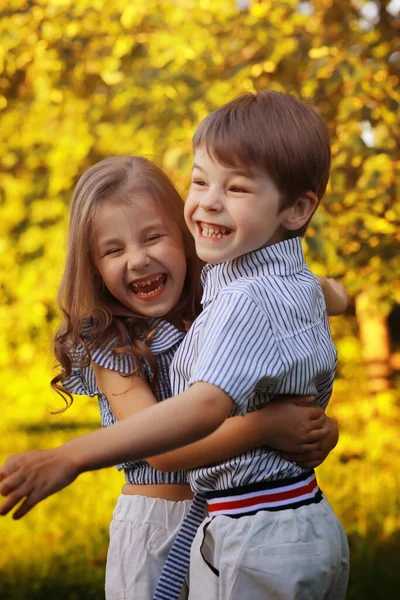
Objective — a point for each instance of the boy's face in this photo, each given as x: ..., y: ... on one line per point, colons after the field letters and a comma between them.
x: 229, y: 212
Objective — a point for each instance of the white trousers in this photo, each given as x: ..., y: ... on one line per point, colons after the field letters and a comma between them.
x: 293, y: 554
x: 141, y: 535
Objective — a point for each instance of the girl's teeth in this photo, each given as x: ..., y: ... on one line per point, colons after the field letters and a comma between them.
x: 135, y: 285
x: 152, y: 292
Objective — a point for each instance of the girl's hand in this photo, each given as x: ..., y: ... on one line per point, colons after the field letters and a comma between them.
x: 33, y: 476
x: 314, y: 456
x: 335, y: 295
x: 292, y: 424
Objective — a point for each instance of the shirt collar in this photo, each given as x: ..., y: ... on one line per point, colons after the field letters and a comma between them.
x: 282, y: 259
x: 165, y: 337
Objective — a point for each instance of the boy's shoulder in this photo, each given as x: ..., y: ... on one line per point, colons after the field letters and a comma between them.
x: 274, y: 288
x: 288, y: 303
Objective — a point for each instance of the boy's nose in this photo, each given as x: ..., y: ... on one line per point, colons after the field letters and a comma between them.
x: 137, y: 259
x: 210, y: 201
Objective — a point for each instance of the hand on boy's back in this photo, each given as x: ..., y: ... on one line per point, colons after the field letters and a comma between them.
x: 299, y: 429
x: 31, y: 477
x: 316, y: 453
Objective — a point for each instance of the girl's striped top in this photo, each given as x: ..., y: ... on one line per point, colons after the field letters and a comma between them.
x: 263, y: 332
x: 83, y: 381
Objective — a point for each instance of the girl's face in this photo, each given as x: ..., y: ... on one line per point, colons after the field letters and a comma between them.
x: 139, y: 255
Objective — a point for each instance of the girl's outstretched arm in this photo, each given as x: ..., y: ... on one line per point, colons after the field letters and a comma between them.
x: 176, y: 422
x: 335, y: 295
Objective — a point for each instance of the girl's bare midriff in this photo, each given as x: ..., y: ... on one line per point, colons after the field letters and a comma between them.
x: 173, y: 492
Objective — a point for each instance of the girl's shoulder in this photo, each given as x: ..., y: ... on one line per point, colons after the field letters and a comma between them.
x: 89, y: 350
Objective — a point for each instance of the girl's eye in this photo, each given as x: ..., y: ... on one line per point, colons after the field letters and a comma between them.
x: 152, y: 238
x: 112, y: 251
x: 199, y: 182
x: 238, y: 190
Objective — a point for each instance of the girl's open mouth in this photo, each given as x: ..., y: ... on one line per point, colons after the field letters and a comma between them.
x: 150, y: 288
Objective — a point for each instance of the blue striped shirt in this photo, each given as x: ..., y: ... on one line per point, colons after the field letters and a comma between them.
x: 83, y: 381
x: 263, y: 332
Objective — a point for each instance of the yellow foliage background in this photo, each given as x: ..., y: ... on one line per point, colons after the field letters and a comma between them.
x: 82, y: 80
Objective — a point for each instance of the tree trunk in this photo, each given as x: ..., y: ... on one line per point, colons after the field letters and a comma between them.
x: 375, y: 343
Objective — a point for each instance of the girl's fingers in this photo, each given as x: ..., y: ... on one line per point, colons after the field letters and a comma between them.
x: 315, y: 413
x: 315, y: 436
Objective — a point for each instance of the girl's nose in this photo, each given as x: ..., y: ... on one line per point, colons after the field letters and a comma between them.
x: 137, y: 259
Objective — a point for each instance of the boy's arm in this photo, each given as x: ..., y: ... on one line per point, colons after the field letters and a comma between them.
x: 335, y: 295
x: 281, y: 424
x: 178, y: 421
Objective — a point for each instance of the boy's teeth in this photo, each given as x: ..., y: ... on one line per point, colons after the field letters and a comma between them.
x: 216, y: 232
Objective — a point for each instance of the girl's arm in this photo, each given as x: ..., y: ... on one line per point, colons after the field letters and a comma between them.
x: 319, y: 453
x: 335, y: 295
x: 126, y: 395
x: 282, y: 424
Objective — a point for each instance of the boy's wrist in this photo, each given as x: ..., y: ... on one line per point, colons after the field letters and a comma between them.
x: 73, y: 456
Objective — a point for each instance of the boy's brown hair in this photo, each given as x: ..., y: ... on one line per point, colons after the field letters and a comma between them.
x: 276, y: 134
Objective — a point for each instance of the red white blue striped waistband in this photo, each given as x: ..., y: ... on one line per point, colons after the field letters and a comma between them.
x: 271, y: 495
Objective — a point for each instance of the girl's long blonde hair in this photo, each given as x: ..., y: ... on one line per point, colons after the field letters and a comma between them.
x: 83, y: 298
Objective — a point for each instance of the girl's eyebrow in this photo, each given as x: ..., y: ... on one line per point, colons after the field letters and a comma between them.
x: 106, y: 241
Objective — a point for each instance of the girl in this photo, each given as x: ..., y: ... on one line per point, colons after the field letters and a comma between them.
x: 130, y: 290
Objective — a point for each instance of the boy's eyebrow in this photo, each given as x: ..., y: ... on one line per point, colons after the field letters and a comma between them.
x: 235, y: 170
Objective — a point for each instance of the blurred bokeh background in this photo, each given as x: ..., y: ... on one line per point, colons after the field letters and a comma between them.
x: 81, y: 80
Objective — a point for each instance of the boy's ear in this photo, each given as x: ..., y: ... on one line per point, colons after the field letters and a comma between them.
x: 301, y: 212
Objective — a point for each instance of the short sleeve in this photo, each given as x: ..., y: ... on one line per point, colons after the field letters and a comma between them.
x: 107, y: 358
x: 82, y: 380
x: 237, y: 350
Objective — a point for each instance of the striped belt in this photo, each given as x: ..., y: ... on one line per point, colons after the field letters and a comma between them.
x: 271, y: 495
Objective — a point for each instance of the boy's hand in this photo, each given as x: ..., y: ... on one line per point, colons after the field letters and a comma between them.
x: 313, y: 457
x: 33, y: 476
x: 292, y: 424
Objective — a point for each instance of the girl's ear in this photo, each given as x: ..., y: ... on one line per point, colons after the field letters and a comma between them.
x: 301, y: 212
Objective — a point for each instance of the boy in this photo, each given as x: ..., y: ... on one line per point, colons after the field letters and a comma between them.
x: 261, y: 167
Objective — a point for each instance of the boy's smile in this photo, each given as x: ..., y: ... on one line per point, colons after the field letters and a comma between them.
x: 230, y: 212
x: 212, y: 231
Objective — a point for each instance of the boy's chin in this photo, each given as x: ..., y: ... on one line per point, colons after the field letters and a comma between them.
x: 213, y: 257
